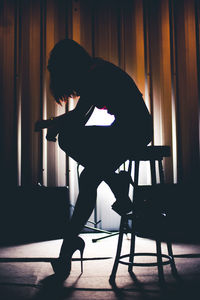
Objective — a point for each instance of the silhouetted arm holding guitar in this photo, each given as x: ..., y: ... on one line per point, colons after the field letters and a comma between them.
x: 79, y: 115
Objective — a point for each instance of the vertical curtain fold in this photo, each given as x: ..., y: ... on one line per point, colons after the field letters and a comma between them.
x: 8, y: 133
x: 187, y: 91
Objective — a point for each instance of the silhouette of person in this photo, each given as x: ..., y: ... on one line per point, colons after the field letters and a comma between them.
x: 100, y: 149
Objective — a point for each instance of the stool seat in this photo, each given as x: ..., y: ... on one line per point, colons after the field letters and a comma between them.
x: 152, y: 152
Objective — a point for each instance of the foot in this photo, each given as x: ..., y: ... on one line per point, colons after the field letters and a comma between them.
x: 62, y: 265
x: 122, y: 207
x: 123, y: 204
x: 61, y: 268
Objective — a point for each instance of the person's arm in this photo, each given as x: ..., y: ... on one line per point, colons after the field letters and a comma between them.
x: 80, y: 114
x: 51, y: 122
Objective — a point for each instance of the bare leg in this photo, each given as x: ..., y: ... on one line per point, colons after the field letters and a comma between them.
x: 98, y: 150
x: 85, y: 204
x: 90, y: 179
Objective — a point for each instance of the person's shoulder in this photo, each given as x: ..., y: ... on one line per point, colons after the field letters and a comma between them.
x: 107, y: 73
x: 100, y: 64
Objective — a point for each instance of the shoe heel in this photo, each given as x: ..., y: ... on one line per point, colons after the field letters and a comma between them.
x: 81, y: 255
x: 81, y: 249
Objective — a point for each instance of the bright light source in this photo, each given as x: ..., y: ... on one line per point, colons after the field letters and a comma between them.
x: 100, y: 117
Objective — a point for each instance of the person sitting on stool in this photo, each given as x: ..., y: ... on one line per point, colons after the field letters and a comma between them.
x: 94, y: 82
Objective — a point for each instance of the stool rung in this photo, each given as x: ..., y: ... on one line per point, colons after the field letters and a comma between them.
x: 145, y: 264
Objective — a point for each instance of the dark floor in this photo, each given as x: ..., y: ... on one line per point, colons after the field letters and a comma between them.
x: 25, y: 272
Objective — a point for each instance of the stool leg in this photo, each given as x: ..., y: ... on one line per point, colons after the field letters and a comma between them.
x: 159, y: 261
x: 153, y: 172
x: 119, y: 247
x: 173, y: 266
x: 161, y: 172
x: 136, y: 173
x: 132, y: 248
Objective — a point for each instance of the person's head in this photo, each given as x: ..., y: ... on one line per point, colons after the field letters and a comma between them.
x: 67, y: 64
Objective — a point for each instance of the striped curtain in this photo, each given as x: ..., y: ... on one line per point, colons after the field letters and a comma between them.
x: 156, y: 41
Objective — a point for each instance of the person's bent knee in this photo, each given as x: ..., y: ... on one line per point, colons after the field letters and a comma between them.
x: 89, y: 179
x: 65, y: 141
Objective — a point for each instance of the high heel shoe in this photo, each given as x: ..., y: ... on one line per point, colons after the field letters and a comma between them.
x: 123, y: 204
x: 62, y: 265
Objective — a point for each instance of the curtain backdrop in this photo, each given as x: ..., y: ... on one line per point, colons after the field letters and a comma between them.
x: 156, y: 42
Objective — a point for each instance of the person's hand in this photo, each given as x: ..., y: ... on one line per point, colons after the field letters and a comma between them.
x: 39, y: 125
x: 51, y: 134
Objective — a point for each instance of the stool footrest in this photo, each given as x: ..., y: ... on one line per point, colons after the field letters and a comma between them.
x: 145, y: 264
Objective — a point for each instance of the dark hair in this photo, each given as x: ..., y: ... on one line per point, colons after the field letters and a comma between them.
x: 67, y: 62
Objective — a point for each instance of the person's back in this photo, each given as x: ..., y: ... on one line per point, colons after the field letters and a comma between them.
x: 109, y: 87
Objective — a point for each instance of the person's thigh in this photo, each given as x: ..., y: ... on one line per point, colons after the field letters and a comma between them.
x: 95, y: 146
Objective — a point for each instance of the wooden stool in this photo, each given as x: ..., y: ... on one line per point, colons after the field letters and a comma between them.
x: 151, y: 154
